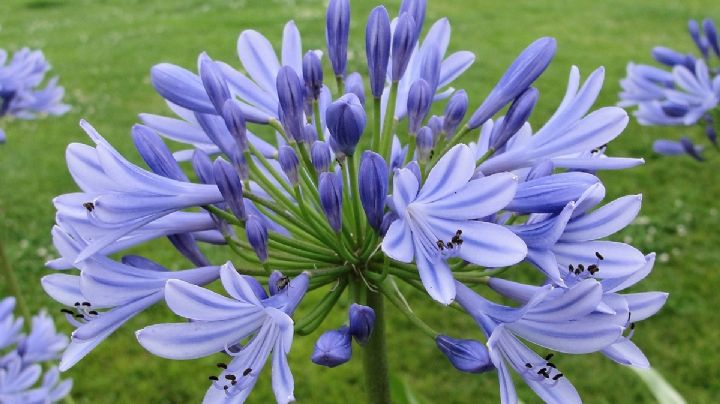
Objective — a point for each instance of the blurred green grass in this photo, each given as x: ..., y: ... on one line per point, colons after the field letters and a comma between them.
x: 103, y: 51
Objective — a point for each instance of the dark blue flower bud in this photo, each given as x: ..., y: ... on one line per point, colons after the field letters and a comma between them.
x: 673, y: 58
x: 203, y: 167
x: 156, y: 154
x: 435, y: 123
x: 398, y: 152
x: 277, y: 282
x: 235, y: 122
x: 711, y: 134
x: 257, y: 236
x: 455, y: 111
x: 337, y: 30
x: 354, y: 85
x: 321, y: 156
x: 214, y: 83
x: 690, y: 148
x: 346, y: 122
x: 291, y: 102
x: 377, y: 48
x: 373, y: 185
x: 362, y: 322
x: 516, y: 117
x: 419, y: 101
x: 310, y: 133
x: 230, y: 186
x: 289, y: 163
x: 700, y: 41
x: 430, y: 67
x: 333, y: 348
x: 465, y: 355
x: 388, y: 219
x: 424, y: 143
x: 416, y: 8
x: 312, y: 74
x: 330, y: 189
x: 531, y: 63
x: 403, y: 44
x: 674, y: 110
x: 711, y: 35
x: 187, y: 246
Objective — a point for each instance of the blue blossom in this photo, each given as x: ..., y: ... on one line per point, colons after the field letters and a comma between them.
x: 443, y: 211
x: 361, y: 320
x: 673, y: 148
x: 220, y: 323
x: 333, y: 348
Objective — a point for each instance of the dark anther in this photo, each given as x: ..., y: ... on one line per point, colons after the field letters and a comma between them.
x: 77, y: 304
x: 571, y: 268
x: 552, y: 365
x: 632, y: 326
x: 247, y: 371
x: 458, y: 233
x: 599, y: 256
x: 79, y: 316
x: 593, y: 269
x: 629, y: 314
x: 557, y: 376
x: 528, y: 365
x: 450, y: 245
x: 222, y: 365
x: 86, y: 304
x: 440, y: 244
x: 93, y: 312
x: 542, y: 371
x: 214, y: 378
x: 66, y: 311
x: 234, y: 382
x: 225, y: 387
x: 89, y: 206
x: 549, y: 356
x: 581, y: 267
x: 230, y: 376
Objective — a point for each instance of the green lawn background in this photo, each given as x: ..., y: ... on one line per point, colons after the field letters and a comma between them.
x: 103, y: 51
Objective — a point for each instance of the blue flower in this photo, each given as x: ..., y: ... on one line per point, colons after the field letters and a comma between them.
x: 333, y: 348
x: 437, y: 221
x: 219, y: 323
x: 10, y: 327
x: 673, y: 148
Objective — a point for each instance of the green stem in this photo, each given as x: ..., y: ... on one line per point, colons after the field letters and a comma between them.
x: 356, y: 204
x: 13, y: 284
x: 386, y: 138
x: 375, y: 365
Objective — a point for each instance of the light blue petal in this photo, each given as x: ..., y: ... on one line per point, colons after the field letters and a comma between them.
x: 258, y: 58
x: 398, y: 243
x: 405, y: 188
x: 436, y: 276
x: 576, y: 337
x: 196, y: 303
x: 644, y: 305
x: 604, y: 221
x: 625, y: 352
x: 292, y: 48
x: 620, y: 259
x: 449, y: 174
x: 476, y: 199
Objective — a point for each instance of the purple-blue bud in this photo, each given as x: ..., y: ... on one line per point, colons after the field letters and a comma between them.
x: 257, y: 236
x: 346, y: 122
x: 203, y: 167
x: 310, y: 133
x: 673, y: 58
x: 711, y: 35
x: 435, y: 123
x: 528, y: 66
x: 424, y: 143
x: 430, y: 67
x: 419, y: 101
x: 416, y: 8
x: 230, y: 186
x: 235, y: 122
x: 403, y: 44
x: 455, y: 111
x: 333, y: 348
x: 388, y: 219
x: 373, y: 186
x: 330, y: 188
x: 354, y: 85
x: 700, y: 41
x: 377, y: 48
x: 289, y: 163
x: 362, y: 322
x: 690, y: 148
x: 312, y: 74
x: 277, y: 282
x: 291, y: 102
x: 214, y: 82
x: 320, y: 156
x: 337, y: 30
x: 674, y: 110
x: 216, y: 130
x: 156, y: 154
x: 516, y: 117
x: 181, y: 87
x: 465, y: 355
x: 339, y: 154
x: 187, y: 246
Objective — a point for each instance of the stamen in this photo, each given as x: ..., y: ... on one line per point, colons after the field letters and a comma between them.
x: 222, y: 365
x: 557, y: 376
x: 89, y: 206
x: 230, y: 376
x: 213, y: 378
x: 67, y: 311
x: 247, y: 371
x: 549, y: 356
x: 528, y: 365
x: 599, y: 256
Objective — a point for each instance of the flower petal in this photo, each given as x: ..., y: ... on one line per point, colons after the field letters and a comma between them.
x: 620, y: 259
x: 398, y: 243
x: 449, y: 174
x: 476, y: 199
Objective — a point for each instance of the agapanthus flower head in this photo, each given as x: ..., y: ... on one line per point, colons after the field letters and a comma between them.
x: 21, y: 93
x: 353, y: 196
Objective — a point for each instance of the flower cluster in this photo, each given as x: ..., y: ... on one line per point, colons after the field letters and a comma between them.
x: 20, y: 94
x: 321, y: 184
x: 22, y: 356
x: 686, y: 91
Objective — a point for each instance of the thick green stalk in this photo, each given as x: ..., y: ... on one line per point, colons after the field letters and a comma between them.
x: 356, y: 204
x: 13, y: 285
x: 375, y: 365
x: 386, y: 138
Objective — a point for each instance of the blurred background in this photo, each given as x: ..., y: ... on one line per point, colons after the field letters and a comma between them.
x: 103, y: 51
